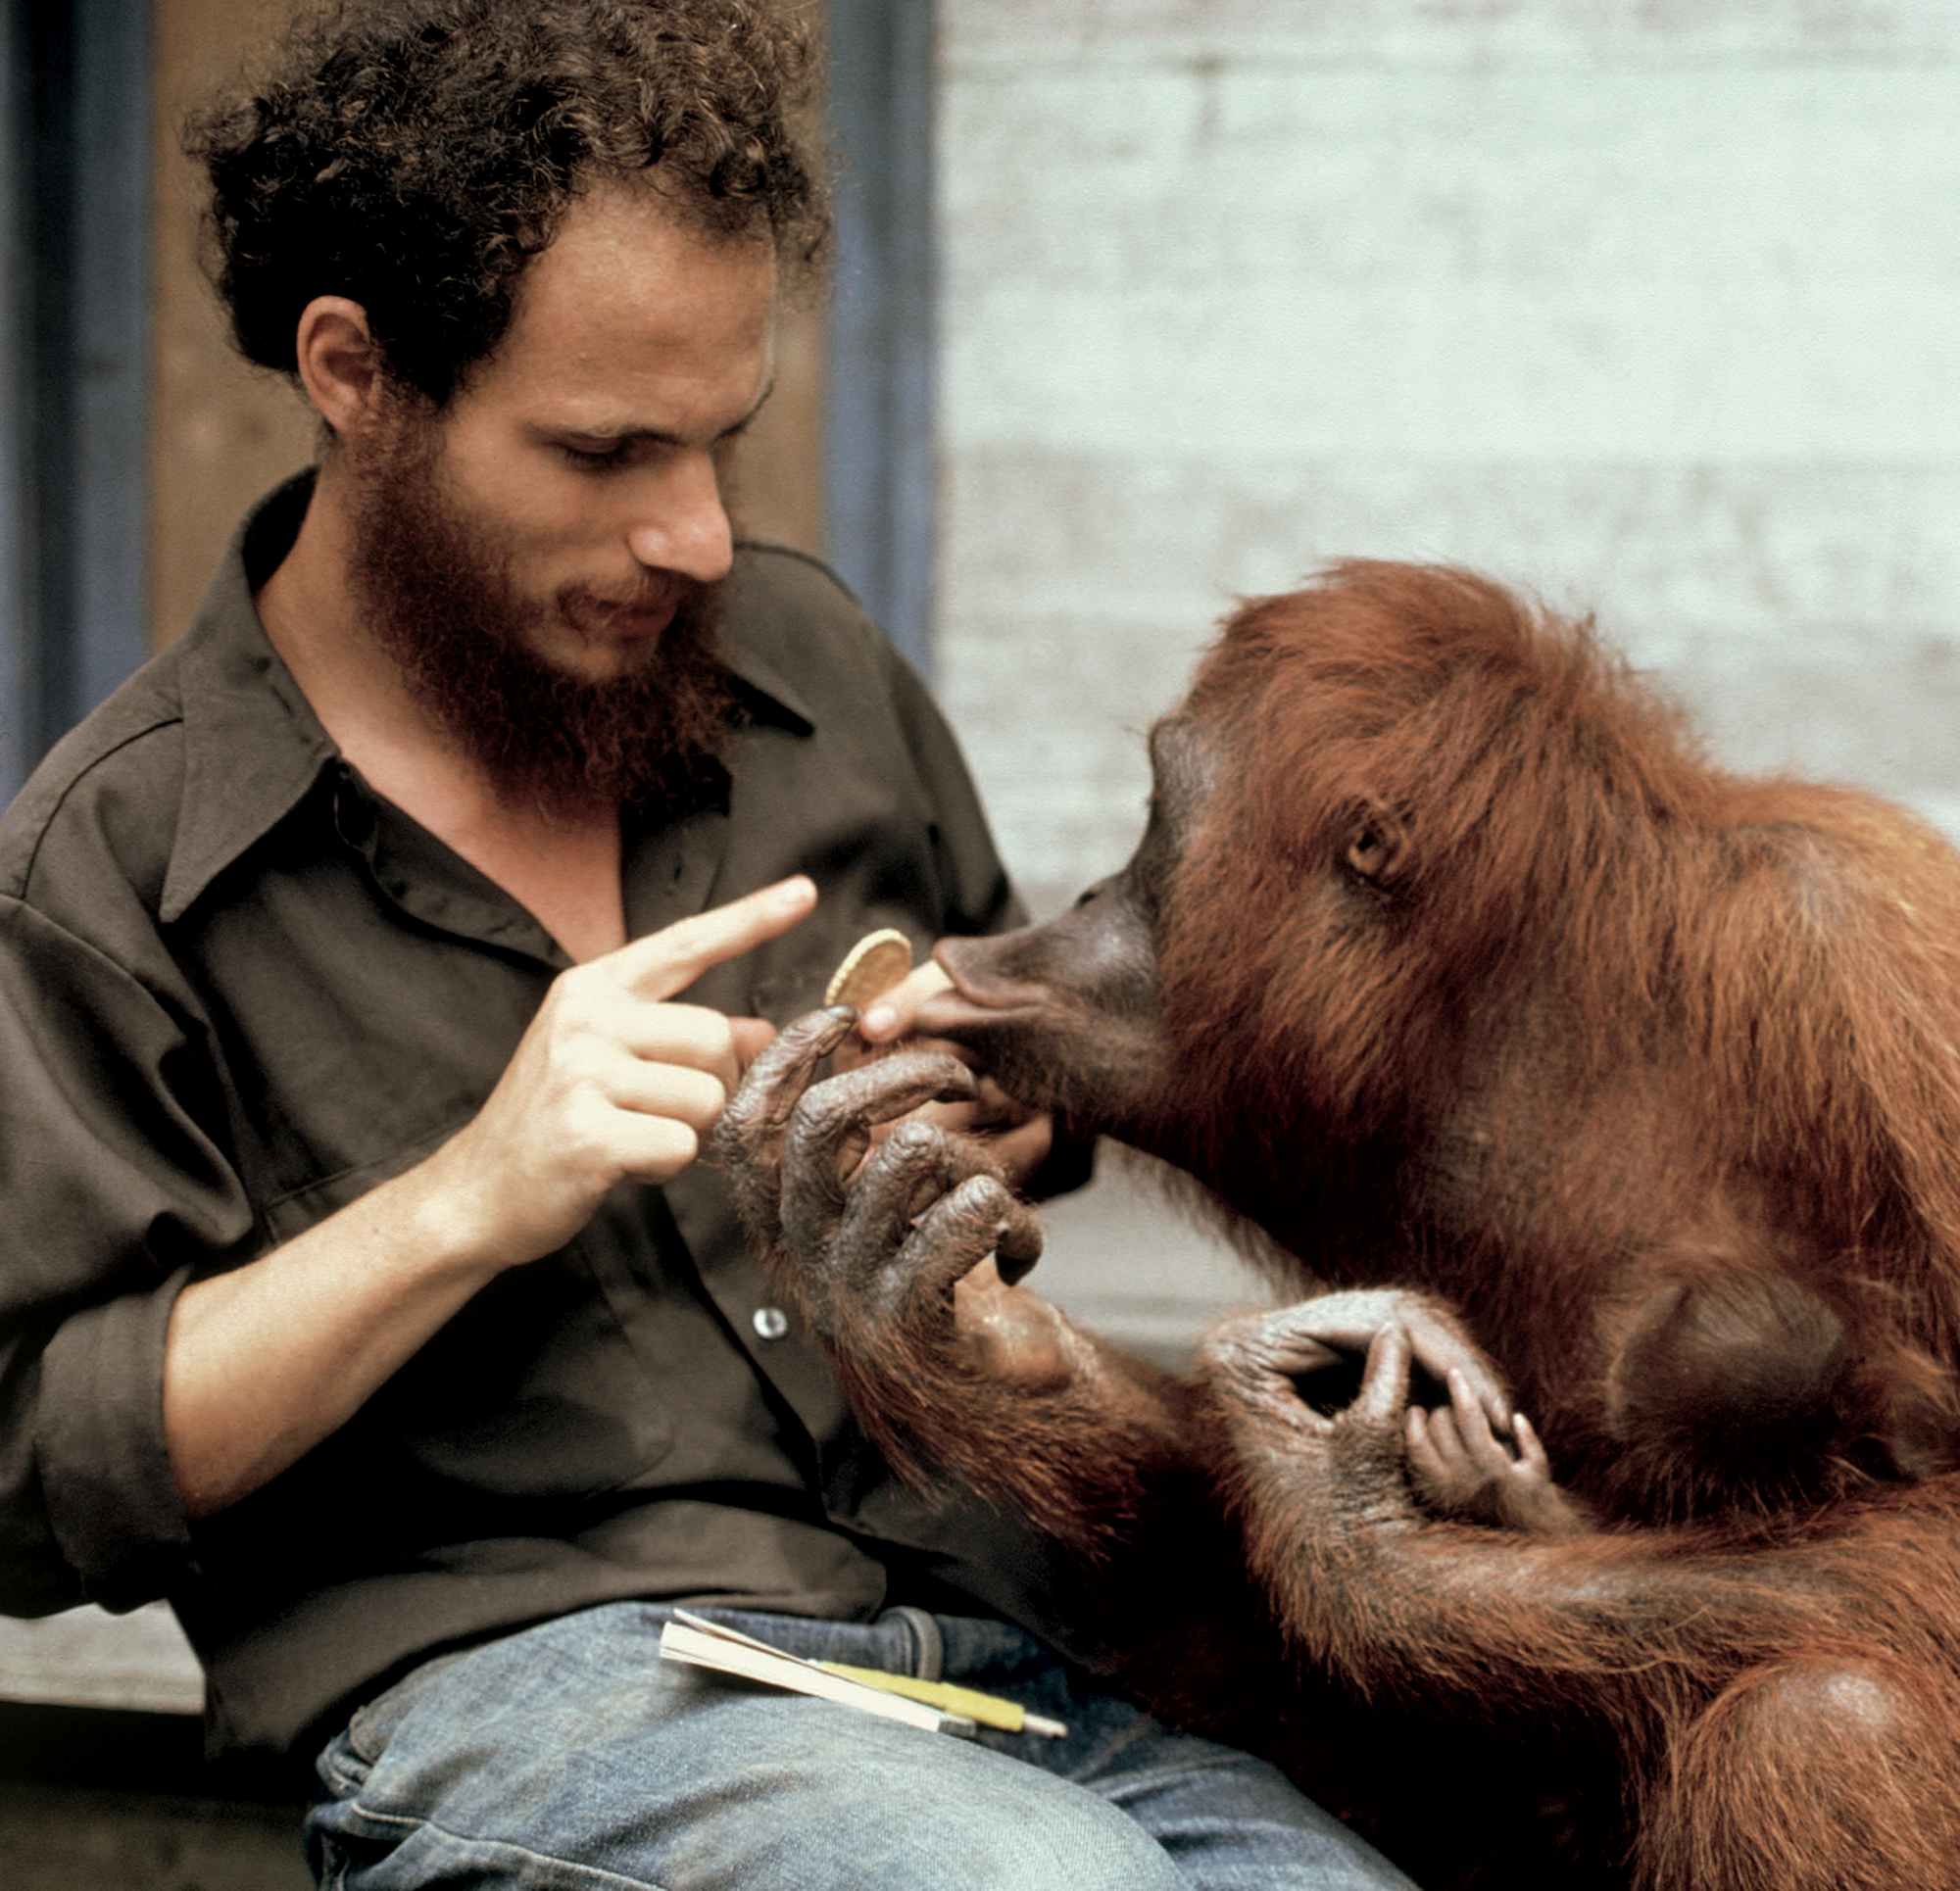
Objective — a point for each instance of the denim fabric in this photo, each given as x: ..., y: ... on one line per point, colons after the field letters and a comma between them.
x: 572, y: 1758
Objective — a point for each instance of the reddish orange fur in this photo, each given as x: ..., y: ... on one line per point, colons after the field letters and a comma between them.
x: 1476, y: 977
x: 1614, y: 1021
x: 1671, y: 996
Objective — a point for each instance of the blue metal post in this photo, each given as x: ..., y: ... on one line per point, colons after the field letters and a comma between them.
x: 880, y: 450
x: 75, y: 339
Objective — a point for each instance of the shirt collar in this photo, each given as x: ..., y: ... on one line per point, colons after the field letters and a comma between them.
x: 253, y: 747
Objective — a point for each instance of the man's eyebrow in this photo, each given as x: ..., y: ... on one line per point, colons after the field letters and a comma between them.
x: 659, y: 436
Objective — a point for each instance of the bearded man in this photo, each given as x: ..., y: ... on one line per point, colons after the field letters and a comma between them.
x: 370, y: 967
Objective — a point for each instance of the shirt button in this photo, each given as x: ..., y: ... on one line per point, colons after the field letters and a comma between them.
x: 771, y: 1322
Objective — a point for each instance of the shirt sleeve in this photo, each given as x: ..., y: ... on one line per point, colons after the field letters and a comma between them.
x: 116, y: 1192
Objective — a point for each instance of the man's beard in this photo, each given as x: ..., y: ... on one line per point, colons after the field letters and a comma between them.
x: 439, y: 597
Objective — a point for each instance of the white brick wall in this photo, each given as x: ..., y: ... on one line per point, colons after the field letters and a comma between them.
x: 1656, y: 308
x: 1653, y: 305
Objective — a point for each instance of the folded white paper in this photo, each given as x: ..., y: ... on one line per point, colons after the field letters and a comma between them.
x: 701, y: 1643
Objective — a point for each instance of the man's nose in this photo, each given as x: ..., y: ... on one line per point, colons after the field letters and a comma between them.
x: 682, y: 525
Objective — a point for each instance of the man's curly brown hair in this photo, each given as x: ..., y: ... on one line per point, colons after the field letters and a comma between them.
x: 413, y: 155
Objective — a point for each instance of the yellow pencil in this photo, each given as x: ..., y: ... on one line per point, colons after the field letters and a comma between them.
x: 988, y: 1709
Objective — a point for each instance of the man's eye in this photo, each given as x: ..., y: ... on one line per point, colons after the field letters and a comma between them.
x: 595, y: 459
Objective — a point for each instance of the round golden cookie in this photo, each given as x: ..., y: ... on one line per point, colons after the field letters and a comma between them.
x: 871, y: 967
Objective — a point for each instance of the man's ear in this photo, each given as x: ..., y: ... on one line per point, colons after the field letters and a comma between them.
x: 339, y: 364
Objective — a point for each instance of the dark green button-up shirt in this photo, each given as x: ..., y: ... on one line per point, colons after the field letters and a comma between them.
x: 238, y: 988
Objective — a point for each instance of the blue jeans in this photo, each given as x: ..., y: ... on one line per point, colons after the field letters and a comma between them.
x: 570, y: 1757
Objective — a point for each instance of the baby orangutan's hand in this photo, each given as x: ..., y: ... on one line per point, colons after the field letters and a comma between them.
x: 1459, y: 1467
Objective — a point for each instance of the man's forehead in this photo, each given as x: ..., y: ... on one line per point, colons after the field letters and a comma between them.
x: 623, y: 253
x: 631, y: 287
x: 614, y: 215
